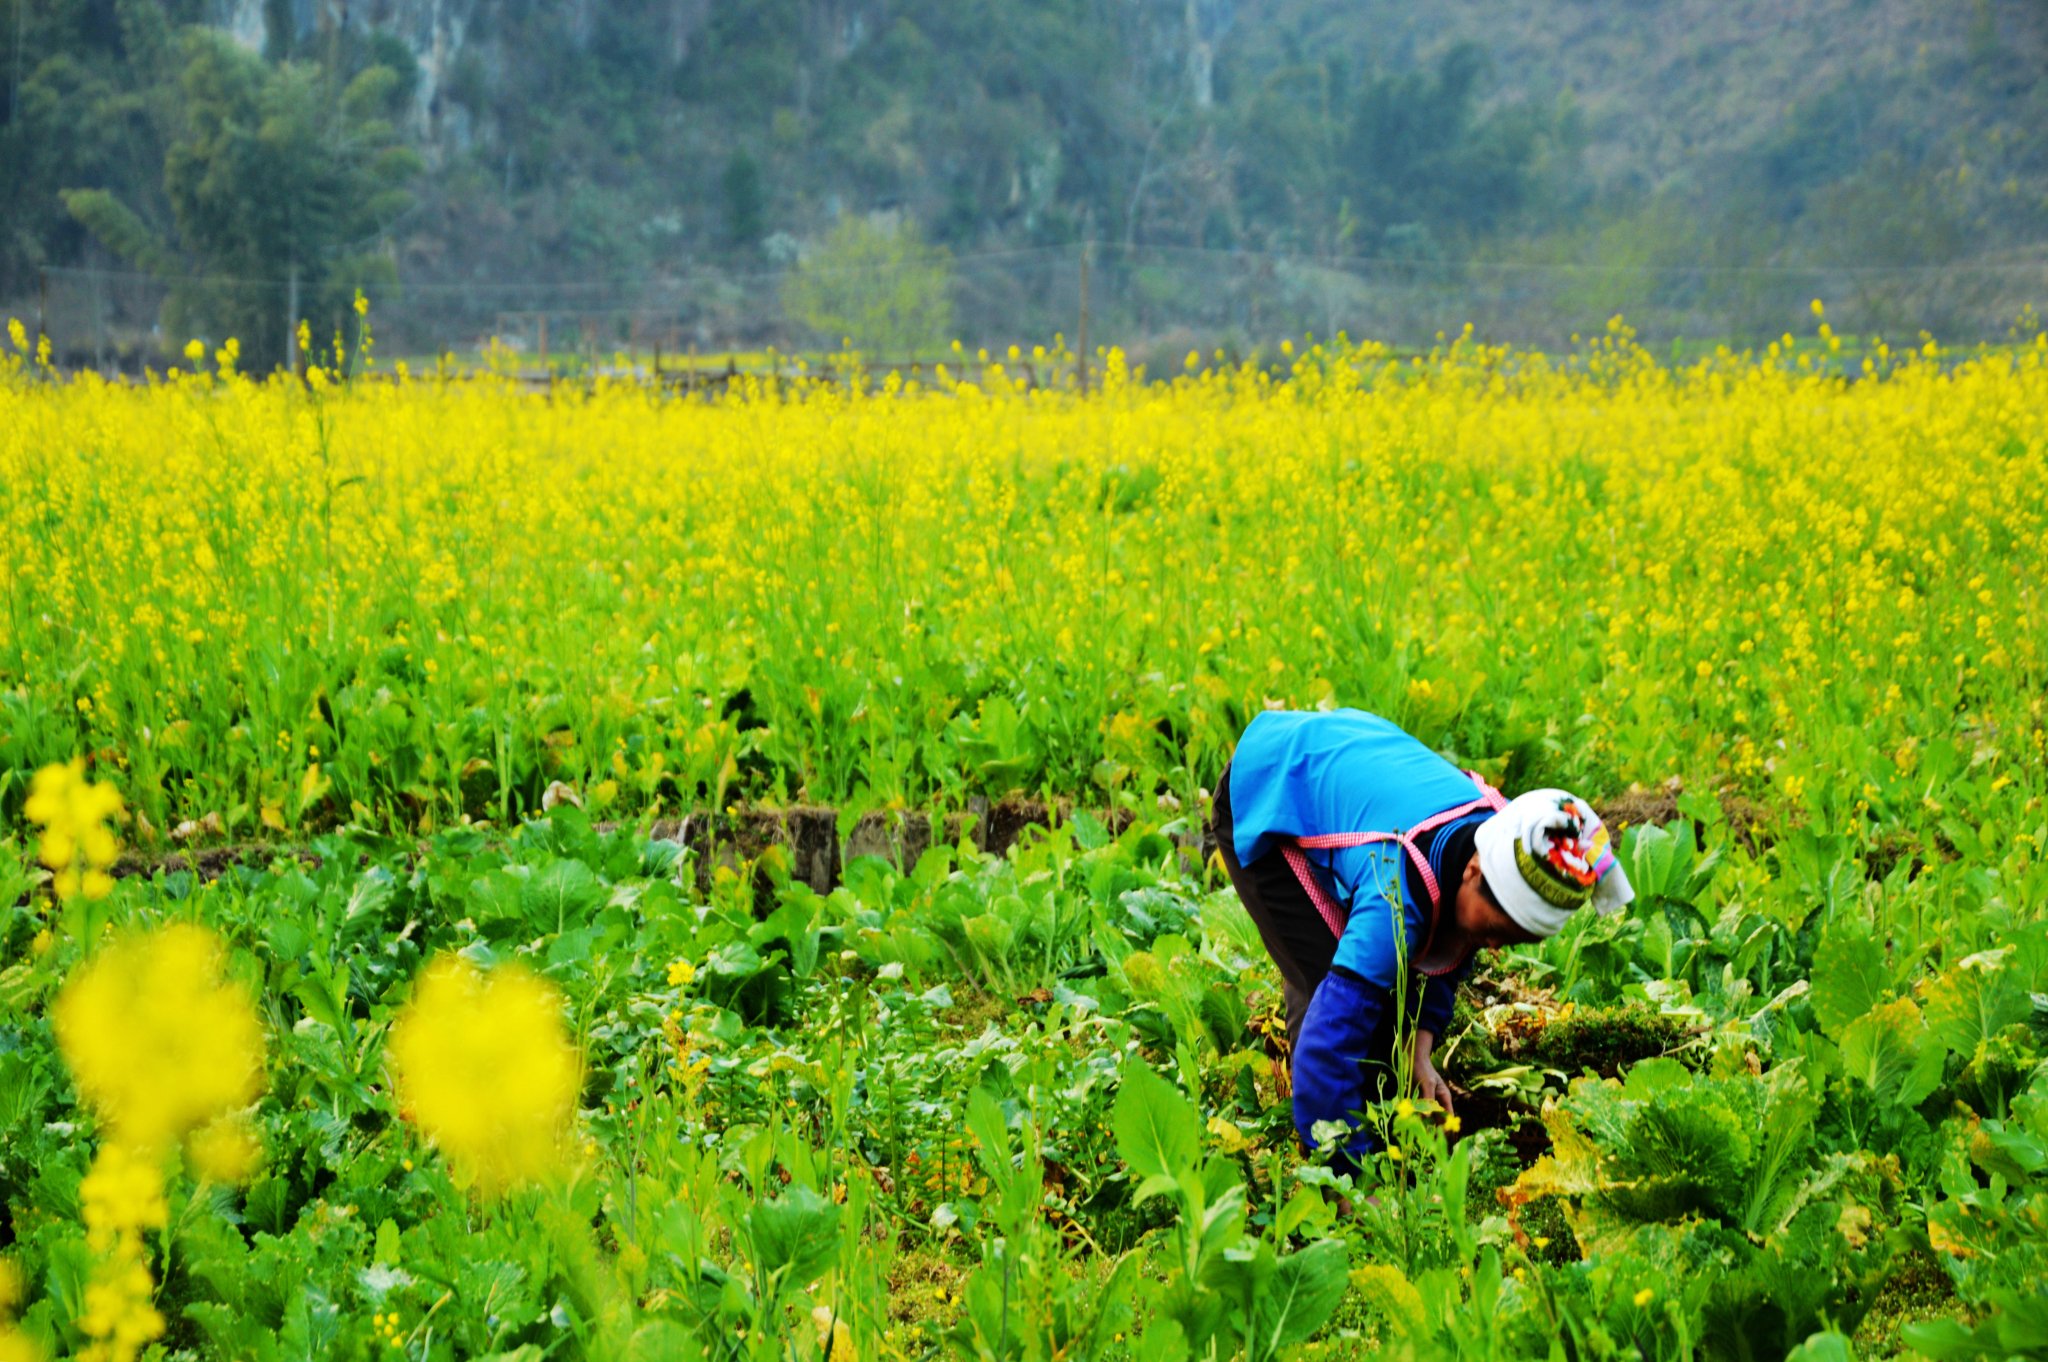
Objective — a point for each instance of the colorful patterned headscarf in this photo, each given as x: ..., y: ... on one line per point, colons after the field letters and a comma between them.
x: 1545, y: 856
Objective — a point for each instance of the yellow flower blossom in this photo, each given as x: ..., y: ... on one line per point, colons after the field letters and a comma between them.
x: 486, y: 1071
x: 158, y: 1041
x: 76, y: 843
x: 15, y: 1346
x: 124, y: 1190
x: 1843, y: 559
x: 225, y: 1150
x: 121, y: 1197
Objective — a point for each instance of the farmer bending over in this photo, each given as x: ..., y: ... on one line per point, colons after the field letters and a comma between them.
x: 1337, y: 826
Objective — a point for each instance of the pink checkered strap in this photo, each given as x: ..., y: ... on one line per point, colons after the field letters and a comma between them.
x: 1333, y: 916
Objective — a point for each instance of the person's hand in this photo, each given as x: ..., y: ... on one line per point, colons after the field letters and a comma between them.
x: 1433, y: 1088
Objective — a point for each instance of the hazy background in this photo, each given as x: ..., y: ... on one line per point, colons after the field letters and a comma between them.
x: 726, y: 174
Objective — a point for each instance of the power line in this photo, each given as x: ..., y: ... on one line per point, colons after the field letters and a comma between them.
x: 1207, y: 255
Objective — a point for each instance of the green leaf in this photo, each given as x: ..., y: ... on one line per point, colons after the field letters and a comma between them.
x: 1974, y: 1000
x: 1306, y: 1207
x: 1659, y: 859
x: 1163, y: 1341
x: 1886, y: 1047
x: 324, y: 994
x: 1849, y: 977
x: 563, y: 894
x: 571, y: 947
x: 793, y: 1236
x: 1773, y: 1182
x: 1304, y: 1288
x: 1660, y: 1074
x: 2022, y: 1321
x: 1947, y: 1341
x: 21, y: 1089
x: 985, y: 1121
x: 1823, y: 1347
x: 1158, y: 1132
x: 796, y: 924
x: 312, y: 1325
x: 1224, y: 1017
x: 233, y: 1333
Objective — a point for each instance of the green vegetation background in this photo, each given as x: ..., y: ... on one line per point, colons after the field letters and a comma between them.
x: 496, y: 140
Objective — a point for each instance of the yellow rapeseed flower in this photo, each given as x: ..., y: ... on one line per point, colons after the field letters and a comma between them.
x: 486, y: 1071
x: 158, y: 1044
x: 15, y: 1346
x: 124, y: 1190
x: 121, y: 1197
x: 226, y: 1149
x: 1817, y: 545
x: 158, y: 1040
x: 76, y: 843
x: 835, y: 1340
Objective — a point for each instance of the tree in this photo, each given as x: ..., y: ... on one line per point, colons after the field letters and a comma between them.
x: 1417, y: 154
x: 80, y: 108
x: 279, y: 172
x: 877, y: 285
x: 746, y: 204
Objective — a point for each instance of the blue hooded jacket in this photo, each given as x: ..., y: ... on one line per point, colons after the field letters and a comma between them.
x: 1299, y: 774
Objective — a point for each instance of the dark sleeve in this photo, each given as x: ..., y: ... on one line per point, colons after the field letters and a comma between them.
x: 1329, y: 1060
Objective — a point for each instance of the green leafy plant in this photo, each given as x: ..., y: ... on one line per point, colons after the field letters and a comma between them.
x: 1222, y: 1290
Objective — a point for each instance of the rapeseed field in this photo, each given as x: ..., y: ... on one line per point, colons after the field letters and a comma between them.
x: 460, y: 1051
x: 265, y: 605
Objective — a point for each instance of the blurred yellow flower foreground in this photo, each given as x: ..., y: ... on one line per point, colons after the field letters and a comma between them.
x: 158, y: 1041
x: 77, y: 845
x: 485, y: 1070
x: 160, y: 1045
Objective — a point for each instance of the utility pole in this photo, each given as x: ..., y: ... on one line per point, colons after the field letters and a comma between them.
x: 291, y: 322
x: 14, y: 88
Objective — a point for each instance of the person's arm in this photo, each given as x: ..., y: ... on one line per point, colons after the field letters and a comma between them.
x: 1329, y: 1059
x: 1439, y: 996
x: 1429, y: 1084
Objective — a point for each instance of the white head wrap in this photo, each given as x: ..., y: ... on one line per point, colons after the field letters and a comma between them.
x: 1545, y: 855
